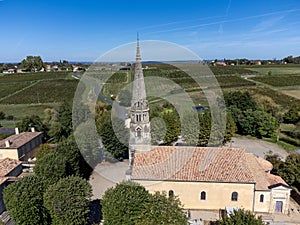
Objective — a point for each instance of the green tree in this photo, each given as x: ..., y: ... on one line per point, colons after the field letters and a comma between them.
x: 51, y: 167
x: 62, y: 127
x: 124, y: 204
x: 292, y: 115
x: 241, y: 217
x: 35, y: 122
x: 290, y: 170
x: 163, y: 210
x: 115, y: 137
x: 42, y: 150
x: 75, y: 163
x: 68, y: 201
x: 24, y: 201
x: 32, y: 63
x: 240, y: 100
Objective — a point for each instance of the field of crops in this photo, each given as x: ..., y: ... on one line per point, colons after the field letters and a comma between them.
x: 276, y: 69
x: 279, y: 81
x: 22, y: 77
x: 10, y: 88
x: 279, y: 98
x: 45, y: 92
x: 238, y: 70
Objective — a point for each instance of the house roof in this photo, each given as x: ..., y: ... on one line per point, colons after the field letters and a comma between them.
x: 7, y: 165
x: 18, y: 140
x: 264, y: 180
x: 182, y: 163
x: 3, y: 180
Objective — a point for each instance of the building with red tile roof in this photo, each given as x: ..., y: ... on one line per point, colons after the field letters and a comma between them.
x: 212, y: 178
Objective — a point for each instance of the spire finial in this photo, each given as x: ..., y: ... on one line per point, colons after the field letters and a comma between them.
x: 137, y: 36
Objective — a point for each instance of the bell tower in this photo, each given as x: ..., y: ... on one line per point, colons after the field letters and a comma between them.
x: 140, y: 132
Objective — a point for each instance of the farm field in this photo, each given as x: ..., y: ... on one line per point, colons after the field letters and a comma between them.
x: 26, y: 94
x: 276, y: 69
x: 50, y: 89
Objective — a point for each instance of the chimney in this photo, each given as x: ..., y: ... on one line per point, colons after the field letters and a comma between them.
x: 7, y: 143
x: 32, y: 129
x: 17, y: 130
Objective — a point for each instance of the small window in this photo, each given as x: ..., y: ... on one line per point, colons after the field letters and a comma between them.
x: 261, y: 198
x: 138, y: 132
x: 171, y: 193
x: 234, y: 196
x: 203, y: 195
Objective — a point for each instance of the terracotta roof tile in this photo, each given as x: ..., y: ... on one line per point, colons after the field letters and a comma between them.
x: 184, y: 163
x: 258, y: 168
x: 3, y: 179
x: 7, y: 165
x: 18, y: 140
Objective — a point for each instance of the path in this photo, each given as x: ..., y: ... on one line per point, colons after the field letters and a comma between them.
x: 256, y: 146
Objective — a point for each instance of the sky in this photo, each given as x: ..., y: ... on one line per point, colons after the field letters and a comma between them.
x: 84, y: 30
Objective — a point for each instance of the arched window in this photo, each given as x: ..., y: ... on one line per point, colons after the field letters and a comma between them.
x: 203, y: 195
x: 171, y: 193
x: 261, y: 198
x: 234, y: 196
x: 138, y: 132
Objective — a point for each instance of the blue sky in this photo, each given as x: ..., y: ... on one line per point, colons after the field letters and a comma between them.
x: 84, y: 30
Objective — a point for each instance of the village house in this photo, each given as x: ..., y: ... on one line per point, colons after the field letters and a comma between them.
x: 9, y: 170
x: 20, y: 146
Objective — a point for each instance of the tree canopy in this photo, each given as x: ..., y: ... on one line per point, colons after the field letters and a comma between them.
x: 130, y: 203
x: 241, y: 217
x: 24, y: 201
x: 163, y: 210
x: 68, y: 201
x: 32, y: 63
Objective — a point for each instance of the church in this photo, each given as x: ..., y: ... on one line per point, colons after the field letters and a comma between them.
x: 204, y: 178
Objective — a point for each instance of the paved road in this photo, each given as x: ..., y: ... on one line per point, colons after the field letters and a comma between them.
x: 256, y: 146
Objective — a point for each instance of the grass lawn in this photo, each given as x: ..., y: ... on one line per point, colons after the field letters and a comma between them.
x: 21, y: 110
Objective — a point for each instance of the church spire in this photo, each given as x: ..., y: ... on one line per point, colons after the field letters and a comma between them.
x: 140, y: 135
x: 139, y: 92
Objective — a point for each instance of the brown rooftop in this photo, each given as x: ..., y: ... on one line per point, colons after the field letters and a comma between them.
x: 263, y: 179
x: 3, y: 179
x: 18, y: 140
x: 182, y: 163
x: 7, y: 165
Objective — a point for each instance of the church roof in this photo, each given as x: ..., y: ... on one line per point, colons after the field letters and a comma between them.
x: 183, y: 163
x: 264, y: 180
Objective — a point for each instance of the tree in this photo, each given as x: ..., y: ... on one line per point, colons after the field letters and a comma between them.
x: 240, y: 100
x: 75, y: 163
x: 42, y: 150
x: 62, y: 127
x: 51, y: 167
x: 68, y: 201
x: 32, y: 63
x: 24, y: 201
x: 292, y: 115
x: 240, y: 217
x: 163, y: 210
x: 115, y: 137
x: 290, y: 170
x: 32, y: 121
x: 124, y: 204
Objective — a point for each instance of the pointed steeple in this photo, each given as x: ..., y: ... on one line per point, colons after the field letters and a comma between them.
x: 140, y: 135
x: 139, y: 91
